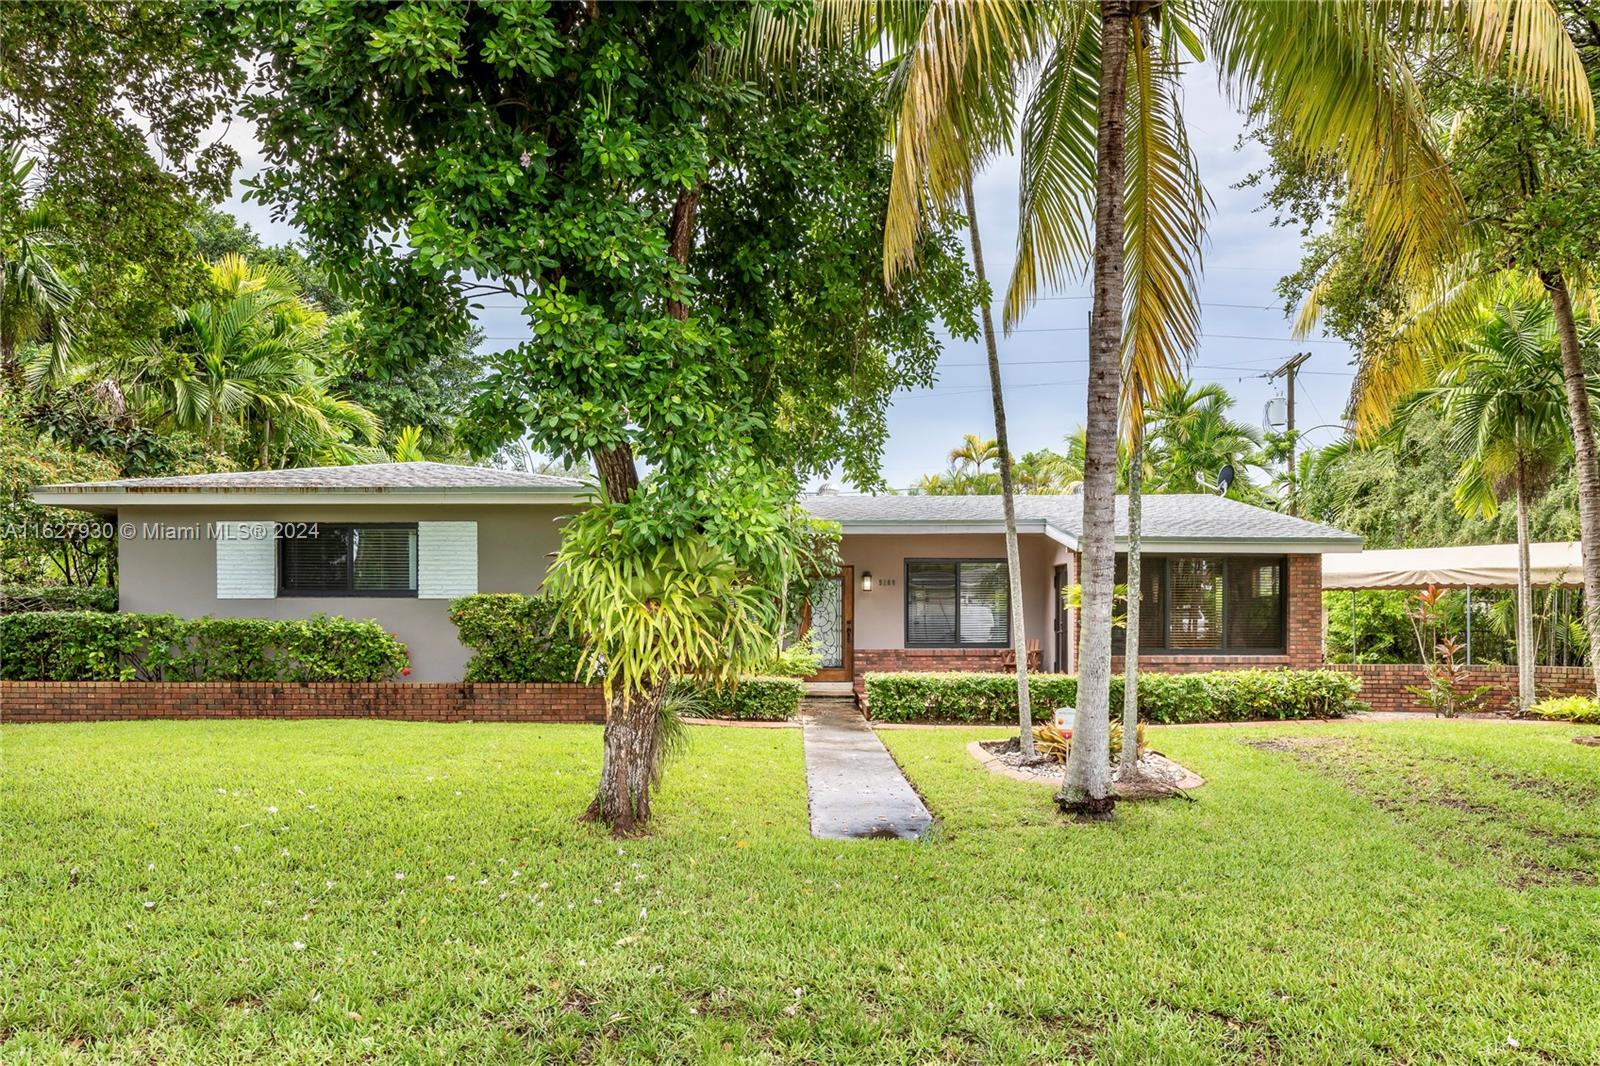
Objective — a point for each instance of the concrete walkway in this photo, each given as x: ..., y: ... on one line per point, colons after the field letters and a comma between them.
x: 855, y: 787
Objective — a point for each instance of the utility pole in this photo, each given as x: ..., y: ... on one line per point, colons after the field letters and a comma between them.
x: 1289, y: 371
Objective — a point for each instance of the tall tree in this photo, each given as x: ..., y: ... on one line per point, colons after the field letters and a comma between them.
x: 1008, y: 503
x: 36, y: 293
x: 1503, y: 402
x: 698, y: 263
x: 1526, y: 174
x: 1192, y: 437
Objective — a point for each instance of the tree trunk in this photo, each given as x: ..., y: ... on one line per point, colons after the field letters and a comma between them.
x: 1128, y: 764
x: 1525, y: 643
x: 628, y: 769
x: 1581, y: 416
x: 1085, y: 790
x: 1019, y: 641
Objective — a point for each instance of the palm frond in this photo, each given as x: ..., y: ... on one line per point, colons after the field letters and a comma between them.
x: 1165, y: 218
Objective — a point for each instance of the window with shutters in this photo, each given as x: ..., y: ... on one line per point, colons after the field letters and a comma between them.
x: 348, y: 560
x: 957, y: 603
x: 1192, y: 604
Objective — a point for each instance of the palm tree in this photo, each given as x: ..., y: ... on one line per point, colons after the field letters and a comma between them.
x: 1502, y: 396
x: 1192, y: 437
x: 247, y: 364
x: 35, y: 293
x: 974, y: 453
x: 1333, y: 77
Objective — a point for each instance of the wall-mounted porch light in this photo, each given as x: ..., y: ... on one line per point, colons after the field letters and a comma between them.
x: 866, y: 581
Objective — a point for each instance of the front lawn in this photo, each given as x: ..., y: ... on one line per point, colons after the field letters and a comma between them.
x: 335, y: 891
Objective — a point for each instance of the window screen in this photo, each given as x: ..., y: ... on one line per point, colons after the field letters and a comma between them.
x: 1208, y: 603
x: 348, y: 561
x: 1255, y: 603
x: 954, y: 603
x: 1152, y: 577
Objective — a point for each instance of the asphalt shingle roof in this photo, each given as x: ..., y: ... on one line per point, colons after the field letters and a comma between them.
x: 1166, y: 517
x: 369, y: 477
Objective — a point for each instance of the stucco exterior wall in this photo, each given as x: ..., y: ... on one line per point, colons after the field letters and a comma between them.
x: 167, y: 574
x: 880, y: 615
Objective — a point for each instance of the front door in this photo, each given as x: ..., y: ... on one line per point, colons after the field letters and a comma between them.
x: 1063, y: 631
x: 832, y: 625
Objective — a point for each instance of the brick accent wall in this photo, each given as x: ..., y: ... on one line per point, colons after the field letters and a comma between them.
x: 1384, y: 685
x: 925, y: 661
x: 110, y: 701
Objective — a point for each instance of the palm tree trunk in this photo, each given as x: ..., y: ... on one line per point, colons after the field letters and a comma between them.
x: 1128, y: 764
x: 1525, y: 641
x: 1019, y: 641
x: 1583, y: 445
x: 632, y: 745
x: 1085, y: 790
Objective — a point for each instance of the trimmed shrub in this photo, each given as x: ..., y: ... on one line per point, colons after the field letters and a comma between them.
x: 58, y: 598
x: 85, y: 645
x: 753, y: 699
x: 1219, y: 696
x: 515, y: 638
x: 1568, y: 709
x: 89, y: 646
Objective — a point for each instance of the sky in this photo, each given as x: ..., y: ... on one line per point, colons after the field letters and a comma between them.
x: 1245, y: 333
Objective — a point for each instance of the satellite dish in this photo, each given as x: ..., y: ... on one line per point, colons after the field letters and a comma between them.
x: 1224, y: 479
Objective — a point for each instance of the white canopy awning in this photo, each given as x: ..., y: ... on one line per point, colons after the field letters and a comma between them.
x: 1476, y: 566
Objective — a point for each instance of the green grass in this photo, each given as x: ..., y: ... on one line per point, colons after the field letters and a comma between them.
x: 1392, y: 893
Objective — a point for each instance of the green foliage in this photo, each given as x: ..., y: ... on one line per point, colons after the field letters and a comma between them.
x: 44, y: 544
x: 516, y: 638
x: 1584, y: 709
x: 14, y: 600
x: 709, y: 605
x: 93, y: 646
x: 1220, y: 696
x: 747, y: 699
x: 799, y: 659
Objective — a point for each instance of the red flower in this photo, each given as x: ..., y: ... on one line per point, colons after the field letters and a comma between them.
x: 405, y: 672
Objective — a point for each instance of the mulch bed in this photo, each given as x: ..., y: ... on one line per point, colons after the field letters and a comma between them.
x: 1159, y: 777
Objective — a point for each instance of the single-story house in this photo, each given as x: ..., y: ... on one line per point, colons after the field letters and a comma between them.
x: 923, y: 584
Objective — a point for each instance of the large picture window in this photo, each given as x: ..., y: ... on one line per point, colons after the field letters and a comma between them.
x: 1208, y: 604
x: 957, y: 603
x: 340, y: 560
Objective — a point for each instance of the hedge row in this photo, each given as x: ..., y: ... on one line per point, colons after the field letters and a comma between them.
x: 1222, y: 696
x: 91, y: 646
x: 753, y: 699
x: 57, y: 598
x: 515, y: 638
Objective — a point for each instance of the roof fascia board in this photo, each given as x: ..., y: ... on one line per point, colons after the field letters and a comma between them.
x: 1249, y: 546
x: 102, y: 500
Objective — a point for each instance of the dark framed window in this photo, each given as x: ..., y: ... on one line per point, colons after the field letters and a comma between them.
x: 957, y: 603
x: 348, y: 560
x: 1209, y: 604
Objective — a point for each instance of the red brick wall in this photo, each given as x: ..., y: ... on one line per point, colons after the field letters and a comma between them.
x: 1384, y: 685
x: 925, y: 661
x: 105, y: 701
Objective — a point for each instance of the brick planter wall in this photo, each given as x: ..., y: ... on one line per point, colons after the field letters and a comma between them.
x: 112, y: 701
x: 925, y: 661
x: 1384, y: 685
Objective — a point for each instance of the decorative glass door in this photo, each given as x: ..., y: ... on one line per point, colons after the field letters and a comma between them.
x: 831, y: 625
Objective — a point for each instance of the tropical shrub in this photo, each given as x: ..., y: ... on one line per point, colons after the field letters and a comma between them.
x: 1568, y: 709
x: 1219, y: 696
x: 93, y: 646
x: 58, y: 598
x: 1053, y: 745
x: 751, y: 699
x: 516, y: 638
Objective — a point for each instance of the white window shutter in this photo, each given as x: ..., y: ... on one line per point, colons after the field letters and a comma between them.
x: 447, y: 560
x: 247, y: 561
